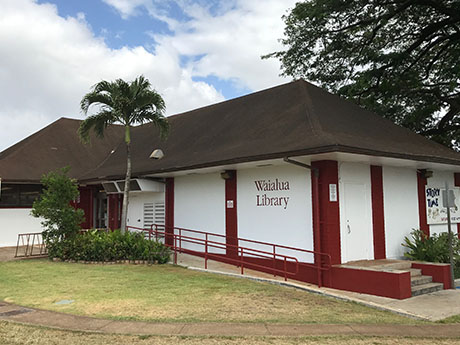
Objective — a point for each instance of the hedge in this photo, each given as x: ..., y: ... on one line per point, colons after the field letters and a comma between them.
x: 96, y: 245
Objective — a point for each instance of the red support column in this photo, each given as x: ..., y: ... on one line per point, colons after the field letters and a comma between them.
x: 378, y: 219
x: 457, y: 184
x: 316, y: 224
x: 85, y: 203
x: 421, y: 183
x: 169, y: 210
x: 329, y: 217
x: 231, y: 222
x: 114, y: 208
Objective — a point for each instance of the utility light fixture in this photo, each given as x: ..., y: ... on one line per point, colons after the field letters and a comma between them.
x: 227, y: 175
x: 426, y: 173
x: 157, y: 154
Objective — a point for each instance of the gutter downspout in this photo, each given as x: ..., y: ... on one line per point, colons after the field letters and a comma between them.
x: 316, y: 212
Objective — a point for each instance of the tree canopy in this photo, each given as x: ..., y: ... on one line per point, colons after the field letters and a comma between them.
x: 399, y: 58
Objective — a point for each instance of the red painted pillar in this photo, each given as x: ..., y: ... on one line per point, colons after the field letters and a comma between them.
x: 114, y: 208
x: 85, y: 202
x: 457, y: 184
x: 329, y: 217
x: 319, y: 260
x: 169, y: 210
x: 231, y: 222
x: 421, y: 183
x: 378, y: 219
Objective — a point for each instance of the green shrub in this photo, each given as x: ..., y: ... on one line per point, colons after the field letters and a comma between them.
x: 97, y: 245
x: 60, y: 219
x: 434, y: 248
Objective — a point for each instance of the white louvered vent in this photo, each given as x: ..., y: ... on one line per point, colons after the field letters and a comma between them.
x: 160, y: 213
x: 148, y: 214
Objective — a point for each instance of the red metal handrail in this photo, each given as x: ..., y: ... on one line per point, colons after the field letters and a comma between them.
x: 250, y: 241
x: 322, y: 260
x: 224, y: 246
x: 319, y: 265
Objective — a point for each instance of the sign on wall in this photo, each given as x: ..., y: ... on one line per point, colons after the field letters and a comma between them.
x: 272, y: 193
x: 332, y: 192
x: 436, y: 213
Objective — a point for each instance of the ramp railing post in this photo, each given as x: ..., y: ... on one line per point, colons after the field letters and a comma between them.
x: 285, y: 269
x: 241, y: 260
x: 175, y: 249
x: 206, y: 252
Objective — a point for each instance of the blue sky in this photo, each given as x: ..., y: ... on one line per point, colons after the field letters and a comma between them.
x: 106, y: 22
x: 194, y: 52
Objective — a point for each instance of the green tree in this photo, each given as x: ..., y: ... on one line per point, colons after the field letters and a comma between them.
x: 60, y: 219
x: 399, y: 58
x: 127, y: 104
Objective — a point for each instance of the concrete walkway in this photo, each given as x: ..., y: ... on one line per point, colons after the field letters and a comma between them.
x: 10, y: 312
x: 7, y: 253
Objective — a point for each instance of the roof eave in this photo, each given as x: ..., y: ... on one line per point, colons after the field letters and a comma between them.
x: 278, y: 155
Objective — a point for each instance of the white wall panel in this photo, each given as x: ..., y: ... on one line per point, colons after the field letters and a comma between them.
x: 136, y: 206
x: 14, y: 221
x: 199, y: 204
x: 400, y: 198
x: 284, y: 218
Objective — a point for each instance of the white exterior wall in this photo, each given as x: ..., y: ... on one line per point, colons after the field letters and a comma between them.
x: 356, y: 230
x: 199, y: 204
x: 14, y: 221
x: 439, y: 179
x: 291, y: 225
x: 400, y: 204
x: 136, y: 206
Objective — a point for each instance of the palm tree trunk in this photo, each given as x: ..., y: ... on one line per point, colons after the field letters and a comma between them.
x: 124, y: 212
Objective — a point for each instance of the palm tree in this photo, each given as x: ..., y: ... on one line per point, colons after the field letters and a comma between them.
x: 127, y: 104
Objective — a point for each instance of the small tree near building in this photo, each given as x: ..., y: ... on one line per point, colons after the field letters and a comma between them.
x: 126, y: 103
x: 60, y: 219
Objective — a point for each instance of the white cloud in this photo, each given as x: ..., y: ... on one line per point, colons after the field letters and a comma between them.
x: 230, y: 37
x: 47, y: 63
x: 127, y: 8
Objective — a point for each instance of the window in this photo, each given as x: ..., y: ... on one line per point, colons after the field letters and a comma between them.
x: 19, y: 195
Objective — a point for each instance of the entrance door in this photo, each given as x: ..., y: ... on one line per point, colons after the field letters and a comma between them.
x: 355, y: 229
x: 100, y: 205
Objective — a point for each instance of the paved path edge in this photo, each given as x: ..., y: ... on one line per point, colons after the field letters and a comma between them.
x: 61, y: 321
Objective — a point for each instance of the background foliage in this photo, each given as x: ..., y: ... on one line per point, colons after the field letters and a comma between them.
x: 399, y: 58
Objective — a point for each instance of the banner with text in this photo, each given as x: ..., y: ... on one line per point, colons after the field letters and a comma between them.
x: 436, y: 213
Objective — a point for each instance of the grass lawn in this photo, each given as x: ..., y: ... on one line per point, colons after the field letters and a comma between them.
x: 172, y: 294
x: 452, y: 319
x: 15, y: 334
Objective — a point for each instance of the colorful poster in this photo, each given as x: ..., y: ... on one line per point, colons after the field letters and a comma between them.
x: 436, y: 213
